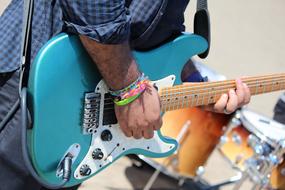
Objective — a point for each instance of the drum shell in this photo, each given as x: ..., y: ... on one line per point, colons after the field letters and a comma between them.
x: 277, y: 177
x: 197, y: 143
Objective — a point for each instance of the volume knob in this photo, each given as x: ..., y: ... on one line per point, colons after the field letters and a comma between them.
x: 106, y: 135
x: 97, y: 154
x: 85, y: 170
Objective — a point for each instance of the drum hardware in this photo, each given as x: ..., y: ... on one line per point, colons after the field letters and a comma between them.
x: 260, y: 166
x: 236, y: 139
x: 172, y: 160
x: 255, y: 146
x: 199, y: 173
x: 234, y: 122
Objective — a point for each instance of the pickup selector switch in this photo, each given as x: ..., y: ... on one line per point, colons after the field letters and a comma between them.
x: 97, y: 154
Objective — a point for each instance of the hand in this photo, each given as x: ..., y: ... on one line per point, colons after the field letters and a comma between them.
x: 141, y: 117
x: 235, y: 99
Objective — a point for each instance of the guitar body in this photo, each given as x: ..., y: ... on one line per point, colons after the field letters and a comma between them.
x: 61, y: 76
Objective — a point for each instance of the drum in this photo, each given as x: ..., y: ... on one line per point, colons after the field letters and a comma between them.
x: 250, y: 136
x: 198, y: 133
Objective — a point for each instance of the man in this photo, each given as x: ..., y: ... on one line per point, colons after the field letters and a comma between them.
x: 107, y: 29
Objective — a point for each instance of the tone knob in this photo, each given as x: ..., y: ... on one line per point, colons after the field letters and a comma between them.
x: 85, y: 170
x: 97, y: 154
x: 106, y: 135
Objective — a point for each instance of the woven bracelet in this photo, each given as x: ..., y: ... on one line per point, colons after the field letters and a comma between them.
x: 130, y: 93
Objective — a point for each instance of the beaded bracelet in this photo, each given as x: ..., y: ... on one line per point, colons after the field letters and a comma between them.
x: 130, y: 93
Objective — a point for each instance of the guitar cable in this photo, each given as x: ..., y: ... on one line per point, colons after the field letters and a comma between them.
x: 66, y: 164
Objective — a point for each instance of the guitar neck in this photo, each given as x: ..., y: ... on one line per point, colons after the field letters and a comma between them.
x: 204, y: 93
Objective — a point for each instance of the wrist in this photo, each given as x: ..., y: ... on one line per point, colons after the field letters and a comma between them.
x: 130, y: 93
x: 127, y: 78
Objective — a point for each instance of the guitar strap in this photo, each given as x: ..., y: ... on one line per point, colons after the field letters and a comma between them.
x: 24, y: 73
x: 25, y: 45
x: 202, y: 24
x: 26, y: 42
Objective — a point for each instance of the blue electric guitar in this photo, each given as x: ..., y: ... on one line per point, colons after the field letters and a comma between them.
x: 73, y: 114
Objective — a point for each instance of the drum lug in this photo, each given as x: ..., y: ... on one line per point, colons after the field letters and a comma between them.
x: 223, y: 140
x: 199, y: 173
x: 236, y: 139
x: 274, y: 160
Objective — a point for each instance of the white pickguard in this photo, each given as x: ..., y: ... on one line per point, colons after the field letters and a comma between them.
x: 120, y: 144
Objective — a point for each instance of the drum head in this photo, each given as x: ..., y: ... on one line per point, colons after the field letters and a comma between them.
x: 263, y: 127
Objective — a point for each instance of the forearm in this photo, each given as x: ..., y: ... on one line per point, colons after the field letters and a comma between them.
x: 115, y: 62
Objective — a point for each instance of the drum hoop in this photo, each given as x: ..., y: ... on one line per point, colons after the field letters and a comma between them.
x: 252, y: 129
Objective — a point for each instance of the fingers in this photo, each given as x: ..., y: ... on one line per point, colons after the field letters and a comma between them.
x: 126, y: 130
x: 232, y: 104
x: 247, y: 94
x: 158, y: 124
x: 137, y: 134
x: 240, y: 91
x: 221, y: 104
x: 228, y: 103
x: 243, y: 93
x: 148, y: 133
x: 139, y: 131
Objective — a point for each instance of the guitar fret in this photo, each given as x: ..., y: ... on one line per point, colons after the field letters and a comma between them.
x: 206, y: 93
x: 203, y: 96
x: 168, y: 98
x: 264, y: 88
x: 188, y: 99
x: 256, y: 87
x: 182, y: 100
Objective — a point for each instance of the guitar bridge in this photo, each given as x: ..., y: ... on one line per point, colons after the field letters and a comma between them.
x: 91, y: 113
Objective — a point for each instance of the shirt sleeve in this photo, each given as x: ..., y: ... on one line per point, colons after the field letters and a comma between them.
x: 106, y: 21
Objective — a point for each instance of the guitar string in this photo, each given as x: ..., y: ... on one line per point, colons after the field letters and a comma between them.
x: 252, y: 84
x: 220, y: 83
x: 273, y: 76
x: 220, y: 89
x: 202, y: 96
x: 177, y: 102
x: 211, y: 85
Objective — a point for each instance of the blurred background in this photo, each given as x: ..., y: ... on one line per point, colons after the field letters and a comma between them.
x: 247, y: 39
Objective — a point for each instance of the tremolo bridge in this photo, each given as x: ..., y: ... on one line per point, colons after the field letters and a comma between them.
x: 91, y: 115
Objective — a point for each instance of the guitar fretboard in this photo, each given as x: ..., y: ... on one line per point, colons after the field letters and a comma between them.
x: 197, y: 94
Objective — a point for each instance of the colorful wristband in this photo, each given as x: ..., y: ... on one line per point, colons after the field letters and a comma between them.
x: 130, y: 93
